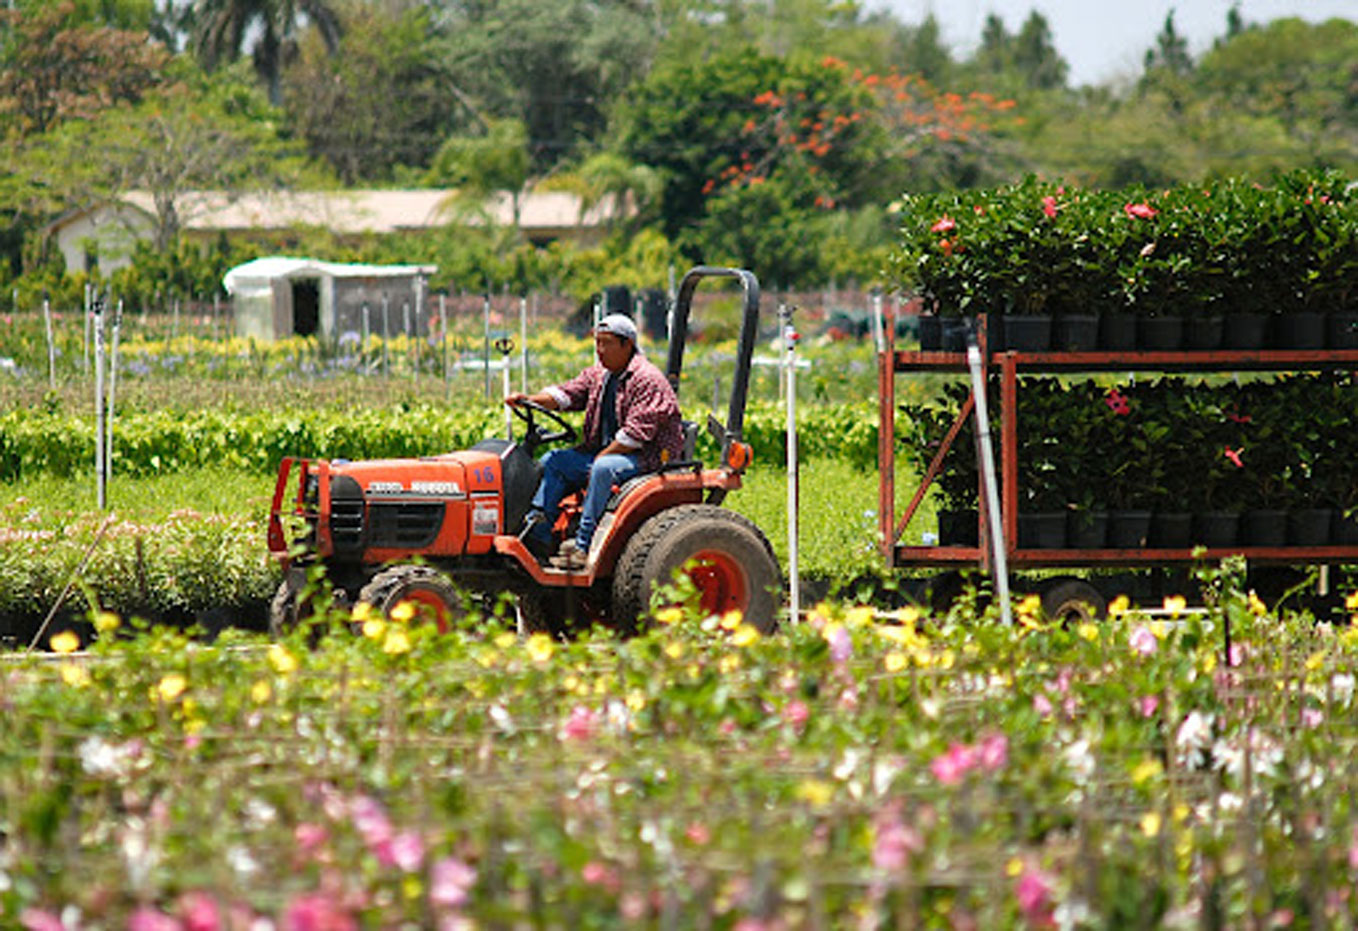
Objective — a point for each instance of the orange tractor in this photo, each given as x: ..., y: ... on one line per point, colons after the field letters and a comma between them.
x: 443, y: 531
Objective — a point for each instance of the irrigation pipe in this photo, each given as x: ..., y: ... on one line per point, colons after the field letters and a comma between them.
x: 790, y: 337
x: 70, y: 583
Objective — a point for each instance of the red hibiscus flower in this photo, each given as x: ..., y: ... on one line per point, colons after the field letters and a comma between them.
x: 944, y: 225
x: 1049, y: 205
x: 1141, y: 211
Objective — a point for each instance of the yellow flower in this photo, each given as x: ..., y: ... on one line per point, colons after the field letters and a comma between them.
x: 403, y: 612
x: 895, y: 661
x: 860, y: 616
x: 1175, y: 605
x: 729, y: 664
x: 261, y: 692
x: 1315, y: 661
x: 75, y: 675
x: 1159, y: 629
x: 1257, y: 605
x: 364, y: 612
x: 540, y: 648
x: 674, y: 649
x: 397, y: 641
x: 1180, y: 813
x: 1088, y: 631
x: 506, y: 640
x: 731, y: 619
x: 171, y: 687
x: 1014, y: 867
x: 282, y: 661
x: 816, y: 792
x: 745, y: 635
x: 1119, y: 605
x: 374, y: 628
x: 1209, y: 663
x: 909, y: 615
x: 1150, y: 823
x: 669, y: 615
x: 65, y: 642
x: 1030, y: 605
x: 1351, y: 602
x: 636, y: 700
x: 106, y: 622
x: 1147, y: 769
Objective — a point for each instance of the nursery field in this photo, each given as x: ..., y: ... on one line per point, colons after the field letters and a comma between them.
x: 861, y: 769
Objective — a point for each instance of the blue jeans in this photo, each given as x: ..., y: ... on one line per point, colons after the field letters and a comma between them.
x: 568, y: 470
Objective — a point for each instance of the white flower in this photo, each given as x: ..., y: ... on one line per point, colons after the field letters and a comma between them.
x: 1080, y: 760
x: 1195, y: 733
x: 1341, y: 686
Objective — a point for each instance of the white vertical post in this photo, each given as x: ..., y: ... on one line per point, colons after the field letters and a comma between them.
x: 100, y: 477
x: 386, y: 334
x: 506, y: 347
x: 113, y: 389
x: 443, y: 330
x: 523, y: 343
x: 366, y: 326
x: 988, y: 484
x: 485, y: 338
x: 878, y: 326
x: 790, y: 337
x: 51, y: 342
x: 85, y: 332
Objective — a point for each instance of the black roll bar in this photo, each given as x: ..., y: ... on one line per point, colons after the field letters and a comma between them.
x: 733, y: 429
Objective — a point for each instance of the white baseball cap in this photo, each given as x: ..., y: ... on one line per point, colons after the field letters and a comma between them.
x: 619, y: 325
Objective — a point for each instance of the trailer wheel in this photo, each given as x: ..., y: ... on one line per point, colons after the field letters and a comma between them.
x: 1073, y: 601
x: 427, y: 590
x: 725, y: 555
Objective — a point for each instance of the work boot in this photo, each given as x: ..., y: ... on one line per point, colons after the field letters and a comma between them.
x: 570, y: 557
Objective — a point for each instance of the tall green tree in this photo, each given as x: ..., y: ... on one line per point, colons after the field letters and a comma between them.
x: 1170, y: 52
x: 1035, y: 55
x: 221, y: 28
x: 384, y: 103
x: 480, y: 167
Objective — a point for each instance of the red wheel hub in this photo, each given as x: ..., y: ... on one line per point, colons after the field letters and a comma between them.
x: 720, y: 581
x: 429, y: 604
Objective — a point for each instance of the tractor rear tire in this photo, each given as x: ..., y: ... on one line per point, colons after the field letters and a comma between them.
x: 429, y: 590
x: 728, y: 558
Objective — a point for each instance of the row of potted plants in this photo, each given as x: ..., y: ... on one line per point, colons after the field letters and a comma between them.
x: 1232, y: 263
x: 1167, y: 462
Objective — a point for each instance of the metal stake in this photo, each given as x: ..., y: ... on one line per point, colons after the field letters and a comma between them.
x: 992, y: 494
x: 790, y: 337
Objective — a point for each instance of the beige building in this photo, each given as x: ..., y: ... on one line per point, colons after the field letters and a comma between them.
x: 104, y: 236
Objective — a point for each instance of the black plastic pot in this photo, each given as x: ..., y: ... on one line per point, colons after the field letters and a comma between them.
x: 1265, y: 527
x: 1087, y: 530
x: 1163, y: 334
x: 1309, y: 526
x: 1299, y: 330
x: 1244, y: 331
x: 1341, y: 330
x: 930, y: 333
x: 1027, y: 332
x: 1128, y: 529
x: 1045, y: 530
x: 1203, y: 334
x: 1075, y: 332
x: 1117, y: 332
x: 1215, y: 529
x: 1171, y: 529
x: 959, y: 528
x: 1345, y: 529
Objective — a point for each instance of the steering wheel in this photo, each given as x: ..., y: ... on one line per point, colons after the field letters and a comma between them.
x: 534, y: 434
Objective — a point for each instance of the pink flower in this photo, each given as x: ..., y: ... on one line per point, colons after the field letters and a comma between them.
x: 200, y: 912
x: 1033, y: 892
x: 1147, y: 705
x: 945, y: 224
x: 309, y: 838
x: 1234, y: 456
x: 450, y: 882
x: 697, y: 833
x: 1312, y: 717
x: 146, y: 918
x: 407, y: 851
x: 1236, y: 656
x: 370, y: 820
x: 317, y: 912
x: 1049, y: 205
x: 993, y: 752
x: 1143, y: 641
x: 841, y: 644
x: 1042, y: 705
x: 1141, y: 211
x: 580, y: 725
x: 1117, y: 402
x: 796, y: 713
x: 32, y: 919
x: 893, y: 845
x: 949, y: 768
x: 602, y: 875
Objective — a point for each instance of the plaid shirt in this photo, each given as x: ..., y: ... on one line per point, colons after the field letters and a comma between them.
x: 647, y: 409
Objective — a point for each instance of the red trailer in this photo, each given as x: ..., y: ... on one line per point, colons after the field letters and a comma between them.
x: 1085, y: 593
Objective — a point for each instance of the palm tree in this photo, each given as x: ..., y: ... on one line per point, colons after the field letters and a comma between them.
x: 220, y: 27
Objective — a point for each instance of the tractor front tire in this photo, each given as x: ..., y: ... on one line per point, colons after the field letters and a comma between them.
x: 428, y: 590
x: 726, y: 556
x: 287, y: 609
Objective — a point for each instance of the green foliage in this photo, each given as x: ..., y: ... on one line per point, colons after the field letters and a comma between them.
x: 1036, y: 247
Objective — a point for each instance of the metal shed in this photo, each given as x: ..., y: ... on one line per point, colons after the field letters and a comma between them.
x: 278, y: 296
